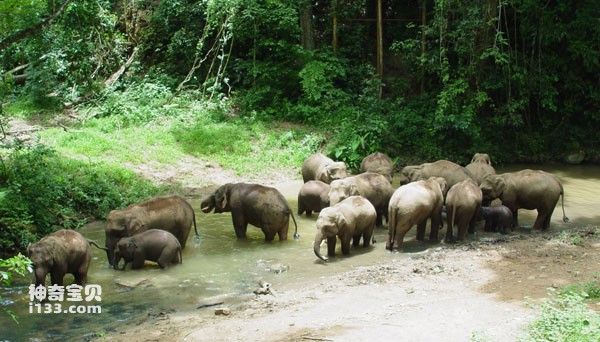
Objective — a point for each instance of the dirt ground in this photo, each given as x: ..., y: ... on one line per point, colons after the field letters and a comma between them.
x: 481, y: 291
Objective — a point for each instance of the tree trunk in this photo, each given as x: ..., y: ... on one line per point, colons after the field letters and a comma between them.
x: 306, y: 23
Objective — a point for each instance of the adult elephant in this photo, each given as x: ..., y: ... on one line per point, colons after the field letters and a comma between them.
x: 350, y: 219
x: 480, y: 170
x: 463, y: 201
x: 64, y: 251
x: 261, y: 206
x: 319, y: 167
x: 372, y: 186
x: 451, y: 172
x: 412, y: 204
x: 526, y: 189
x: 380, y: 163
x: 482, y: 158
x: 171, y: 213
x: 155, y: 245
x: 313, y: 196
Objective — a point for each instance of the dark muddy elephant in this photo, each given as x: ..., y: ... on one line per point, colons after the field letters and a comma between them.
x: 261, y: 206
x: 64, y: 251
x: 369, y: 185
x: 412, y: 204
x: 526, y: 189
x: 378, y: 163
x: 319, y: 167
x: 171, y: 213
x: 451, y: 172
x: 313, y: 196
x: 155, y: 245
x: 498, y: 218
x: 350, y: 219
x: 463, y: 201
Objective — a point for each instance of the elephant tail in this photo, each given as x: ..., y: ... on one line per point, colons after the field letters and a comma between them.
x: 562, y: 196
x: 92, y: 242
x: 197, y: 237
x: 451, y: 224
x: 296, y: 235
x: 392, y: 214
x: 180, y: 255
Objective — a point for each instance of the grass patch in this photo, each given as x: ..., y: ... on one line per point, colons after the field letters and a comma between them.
x: 564, y: 318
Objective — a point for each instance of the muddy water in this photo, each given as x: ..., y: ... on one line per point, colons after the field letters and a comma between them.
x: 222, y: 269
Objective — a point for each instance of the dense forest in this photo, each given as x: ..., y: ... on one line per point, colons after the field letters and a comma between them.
x: 419, y: 80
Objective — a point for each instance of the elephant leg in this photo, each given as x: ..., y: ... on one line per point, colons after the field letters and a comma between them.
x: 421, y: 230
x: 515, y: 213
x: 331, y: 246
x: 379, y: 219
x: 56, y: 278
x: 399, y: 238
x: 541, y: 220
x: 462, y: 230
x: 356, y: 240
x: 166, y: 257
x: 138, y: 261
x: 270, y: 234
x: 80, y: 278
x: 546, y: 223
x: 472, y: 225
x: 285, y: 226
x: 346, y: 246
x: 308, y: 212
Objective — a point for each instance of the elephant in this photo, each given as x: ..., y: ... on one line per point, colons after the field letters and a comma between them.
x: 350, y: 219
x: 452, y: 172
x: 261, y: 206
x: 313, y: 196
x: 372, y: 186
x: 480, y: 170
x: 378, y: 163
x: 412, y: 204
x: 526, y: 189
x: 171, y: 213
x: 153, y: 245
x: 463, y: 201
x: 320, y: 167
x: 64, y: 251
x: 483, y: 158
x: 497, y: 218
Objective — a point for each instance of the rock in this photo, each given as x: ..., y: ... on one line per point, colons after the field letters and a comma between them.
x: 222, y: 311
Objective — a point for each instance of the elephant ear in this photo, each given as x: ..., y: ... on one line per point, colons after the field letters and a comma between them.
x: 131, y: 247
x: 499, y: 185
x: 353, y: 190
x: 222, y: 195
x: 340, y: 219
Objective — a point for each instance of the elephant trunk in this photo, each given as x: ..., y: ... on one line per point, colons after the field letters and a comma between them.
x: 317, y: 246
x: 118, y: 258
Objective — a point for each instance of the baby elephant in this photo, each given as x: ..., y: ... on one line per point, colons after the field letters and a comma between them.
x: 350, y: 219
x: 313, y: 196
x: 153, y: 245
x: 497, y: 218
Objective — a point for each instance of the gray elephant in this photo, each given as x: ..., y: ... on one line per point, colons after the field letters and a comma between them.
x: 498, y: 218
x: 313, y: 196
x: 412, y: 204
x: 261, y: 206
x: 463, y: 201
x: 350, y: 219
x: 171, y: 213
x: 483, y: 158
x: 451, y: 172
x: 153, y: 245
x: 480, y: 170
x: 378, y: 163
x: 526, y: 189
x: 369, y: 185
x: 64, y: 251
x: 320, y: 167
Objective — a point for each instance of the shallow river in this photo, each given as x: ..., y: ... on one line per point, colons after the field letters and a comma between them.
x: 223, y: 269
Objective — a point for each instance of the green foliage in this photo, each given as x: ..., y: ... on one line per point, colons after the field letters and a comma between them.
x: 44, y: 192
x: 590, y: 290
x: 18, y: 264
x: 565, y: 318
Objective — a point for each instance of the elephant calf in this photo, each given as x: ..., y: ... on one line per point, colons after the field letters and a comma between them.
x: 154, y: 245
x: 350, y: 219
x: 313, y: 196
x: 64, y: 251
x: 497, y: 218
x: 320, y: 167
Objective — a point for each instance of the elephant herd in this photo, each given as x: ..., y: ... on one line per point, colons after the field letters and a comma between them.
x: 349, y: 207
